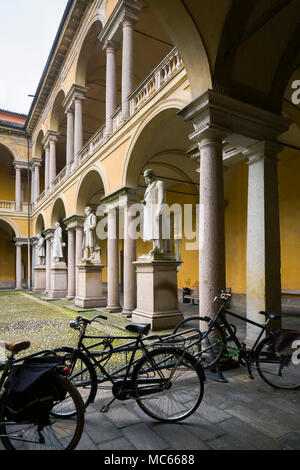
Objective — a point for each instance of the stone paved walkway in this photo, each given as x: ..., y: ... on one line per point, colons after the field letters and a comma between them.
x: 239, y: 415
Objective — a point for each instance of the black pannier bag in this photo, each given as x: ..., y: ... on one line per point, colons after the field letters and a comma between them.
x: 31, y: 390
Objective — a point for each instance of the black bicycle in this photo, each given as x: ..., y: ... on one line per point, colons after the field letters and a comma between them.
x: 277, y: 367
x: 44, y: 422
x: 166, y: 382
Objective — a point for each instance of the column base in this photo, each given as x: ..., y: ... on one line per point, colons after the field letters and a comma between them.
x: 90, y: 292
x: 157, y: 294
x: 116, y: 309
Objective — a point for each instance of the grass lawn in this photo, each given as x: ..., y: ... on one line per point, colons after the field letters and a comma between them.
x: 46, y: 325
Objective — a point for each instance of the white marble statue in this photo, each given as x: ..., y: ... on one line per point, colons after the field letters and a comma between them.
x: 57, y: 244
x: 154, y: 198
x: 90, y: 248
x: 40, y: 250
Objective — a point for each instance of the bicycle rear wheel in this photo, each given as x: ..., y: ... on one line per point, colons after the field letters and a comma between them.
x: 211, y: 345
x: 168, y: 384
x: 82, y: 374
x: 276, y: 369
x: 60, y: 434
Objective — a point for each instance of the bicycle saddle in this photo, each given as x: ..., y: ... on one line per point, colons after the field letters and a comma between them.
x: 139, y: 328
x: 18, y: 346
x: 271, y: 316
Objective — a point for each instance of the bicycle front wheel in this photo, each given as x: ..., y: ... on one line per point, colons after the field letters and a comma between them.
x: 276, y: 369
x: 168, y: 384
x: 210, y: 347
x: 60, y: 434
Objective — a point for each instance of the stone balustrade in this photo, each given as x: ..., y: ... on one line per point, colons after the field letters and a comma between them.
x: 10, y: 206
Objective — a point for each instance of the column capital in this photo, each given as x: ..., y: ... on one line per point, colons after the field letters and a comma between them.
x: 126, y: 10
x: 36, y: 162
x: 20, y: 165
x: 51, y: 136
x: 262, y: 150
x: 77, y: 92
x: 48, y: 233
x: 240, y: 122
x: 110, y: 46
x: 20, y: 241
x: 74, y: 221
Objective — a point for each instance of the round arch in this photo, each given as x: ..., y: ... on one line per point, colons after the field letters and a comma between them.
x: 37, y: 149
x: 9, y: 149
x: 161, y: 121
x: 182, y: 29
x: 87, y: 48
x: 39, y: 224
x: 58, y: 211
x: 13, y: 226
x: 90, y: 190
x: 57, y: 111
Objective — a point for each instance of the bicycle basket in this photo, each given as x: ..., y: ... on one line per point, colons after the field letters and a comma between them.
x: 31, y: 390
x: 284, y: 340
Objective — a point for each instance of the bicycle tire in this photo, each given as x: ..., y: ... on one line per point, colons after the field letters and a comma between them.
x: 275, y: 369
x: 80, y: 375
x: 190, y: 387
x: 211, y: 347
x: 61, y: 434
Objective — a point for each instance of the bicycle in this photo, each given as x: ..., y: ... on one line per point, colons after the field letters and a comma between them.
x: 29, y: 433
x: 166, y: 382
x: 274, y: 367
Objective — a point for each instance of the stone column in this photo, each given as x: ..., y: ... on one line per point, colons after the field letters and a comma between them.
x: 111, y: 84
x: 47, y: 159
x: 18, y: 189
x: 127, y: 65
x: 113, y: 288
x: 70, y: 138
x: 78, y: 250
x: 48, y: 235
x: 263, y: 235
x: 52, y: 162
x: 37, y: 187
x: 71, y: 264
x: 212, y: 225
x: 129, y: 267
x: 78, y: 126
x: 18, y: 266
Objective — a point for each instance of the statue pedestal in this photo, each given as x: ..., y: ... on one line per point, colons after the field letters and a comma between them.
x: 90, y: 291
x: 39, y: 278
x: 58, y: 281
x: 157, y: 293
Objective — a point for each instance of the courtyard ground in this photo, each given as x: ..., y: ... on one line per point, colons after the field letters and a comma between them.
x: 240, y: 415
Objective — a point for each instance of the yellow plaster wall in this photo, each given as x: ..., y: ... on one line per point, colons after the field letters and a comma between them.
x: 7, y: 184
x: 7, y: 257
x: 109, y: 7
x: 289, y: 199
x: 113, y: 165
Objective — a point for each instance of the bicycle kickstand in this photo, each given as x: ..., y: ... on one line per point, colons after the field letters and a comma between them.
x: 105, y: 408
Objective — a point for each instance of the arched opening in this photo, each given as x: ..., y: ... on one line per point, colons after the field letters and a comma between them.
x: 39, y: 225
x: 58, y: 215
x: 8, y: 256
x: 58, y: 124
x: 39, y: 152
x: 7, y: 174
x: 162, y: 146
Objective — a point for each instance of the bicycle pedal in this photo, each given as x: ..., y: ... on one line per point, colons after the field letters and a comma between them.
x: 104, y: 409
